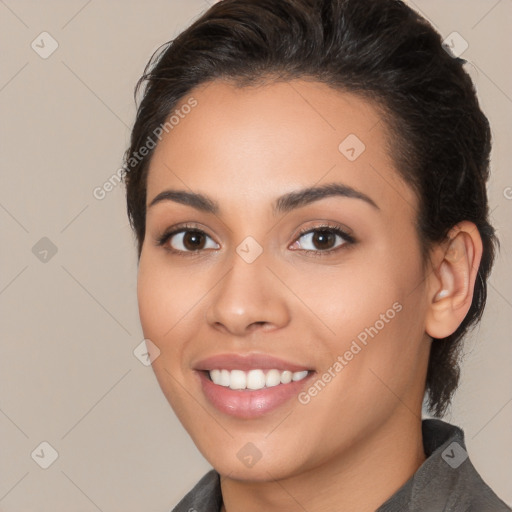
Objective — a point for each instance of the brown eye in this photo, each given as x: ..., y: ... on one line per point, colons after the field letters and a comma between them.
x: 193, y: 240
x: 188, y: 240
x: 323, y: 239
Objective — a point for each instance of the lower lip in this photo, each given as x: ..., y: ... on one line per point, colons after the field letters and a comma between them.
x: 248, y: 403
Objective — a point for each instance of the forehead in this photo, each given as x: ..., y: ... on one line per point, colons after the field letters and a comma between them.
x: 260, y: 141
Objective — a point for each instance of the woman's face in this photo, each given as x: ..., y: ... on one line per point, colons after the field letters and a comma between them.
x: 247, y: 296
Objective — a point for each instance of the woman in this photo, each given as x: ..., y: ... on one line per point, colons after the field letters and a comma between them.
x: 306, y: 182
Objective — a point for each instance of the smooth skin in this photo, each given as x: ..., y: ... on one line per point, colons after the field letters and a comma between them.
x: 358, y: 440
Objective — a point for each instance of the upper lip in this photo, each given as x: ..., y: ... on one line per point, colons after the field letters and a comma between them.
x: 247, y: 362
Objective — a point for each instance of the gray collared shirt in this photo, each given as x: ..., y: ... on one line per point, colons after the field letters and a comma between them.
x: 446, y: 482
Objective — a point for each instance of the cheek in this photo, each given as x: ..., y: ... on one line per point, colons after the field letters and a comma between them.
x: 382, y: 331
x: 164, y: 300
x: 152, y: 299
x: 352, y: 297
x: 165, y: 296
x: 376, y: 302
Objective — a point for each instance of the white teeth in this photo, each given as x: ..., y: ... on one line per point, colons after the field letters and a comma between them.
x: 254, y: 379
x: 273, y: 378
x: 215, y: 376
x: 286, y: 377
x: 225, y: 378
x: 299, y: 375
x: 238, y: 379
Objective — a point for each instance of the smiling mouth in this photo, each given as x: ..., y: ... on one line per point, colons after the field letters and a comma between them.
x: 254, y: 379
x: 251, y: 385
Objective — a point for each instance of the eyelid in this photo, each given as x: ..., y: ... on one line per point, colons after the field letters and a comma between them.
x: 344, y: 231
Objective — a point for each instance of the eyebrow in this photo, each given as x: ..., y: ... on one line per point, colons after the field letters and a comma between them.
x: 282, y: 204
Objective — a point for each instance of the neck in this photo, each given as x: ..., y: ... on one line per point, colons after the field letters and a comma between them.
x: 360, y: 479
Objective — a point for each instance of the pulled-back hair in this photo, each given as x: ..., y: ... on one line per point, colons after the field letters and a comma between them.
x: 381, y: 50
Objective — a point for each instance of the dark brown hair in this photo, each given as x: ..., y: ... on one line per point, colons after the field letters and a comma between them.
x: 379, y: 49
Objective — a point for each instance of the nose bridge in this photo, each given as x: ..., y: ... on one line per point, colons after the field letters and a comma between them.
x: 249, y: 293
x: 249, y: 267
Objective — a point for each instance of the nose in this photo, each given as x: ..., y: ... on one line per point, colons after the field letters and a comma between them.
x: 247, y: 298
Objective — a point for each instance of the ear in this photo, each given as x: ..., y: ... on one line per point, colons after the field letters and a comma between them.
x: 450, y: 285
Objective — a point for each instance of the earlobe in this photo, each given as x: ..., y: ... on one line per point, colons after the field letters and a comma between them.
x: 451, y: 284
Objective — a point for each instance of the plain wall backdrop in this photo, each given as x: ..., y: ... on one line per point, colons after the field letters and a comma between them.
x: 69, y: 316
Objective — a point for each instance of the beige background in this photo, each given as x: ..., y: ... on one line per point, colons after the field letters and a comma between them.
x: 70, y: 324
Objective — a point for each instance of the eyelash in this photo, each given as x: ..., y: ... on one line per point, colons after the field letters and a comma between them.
x: 333, y: 228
